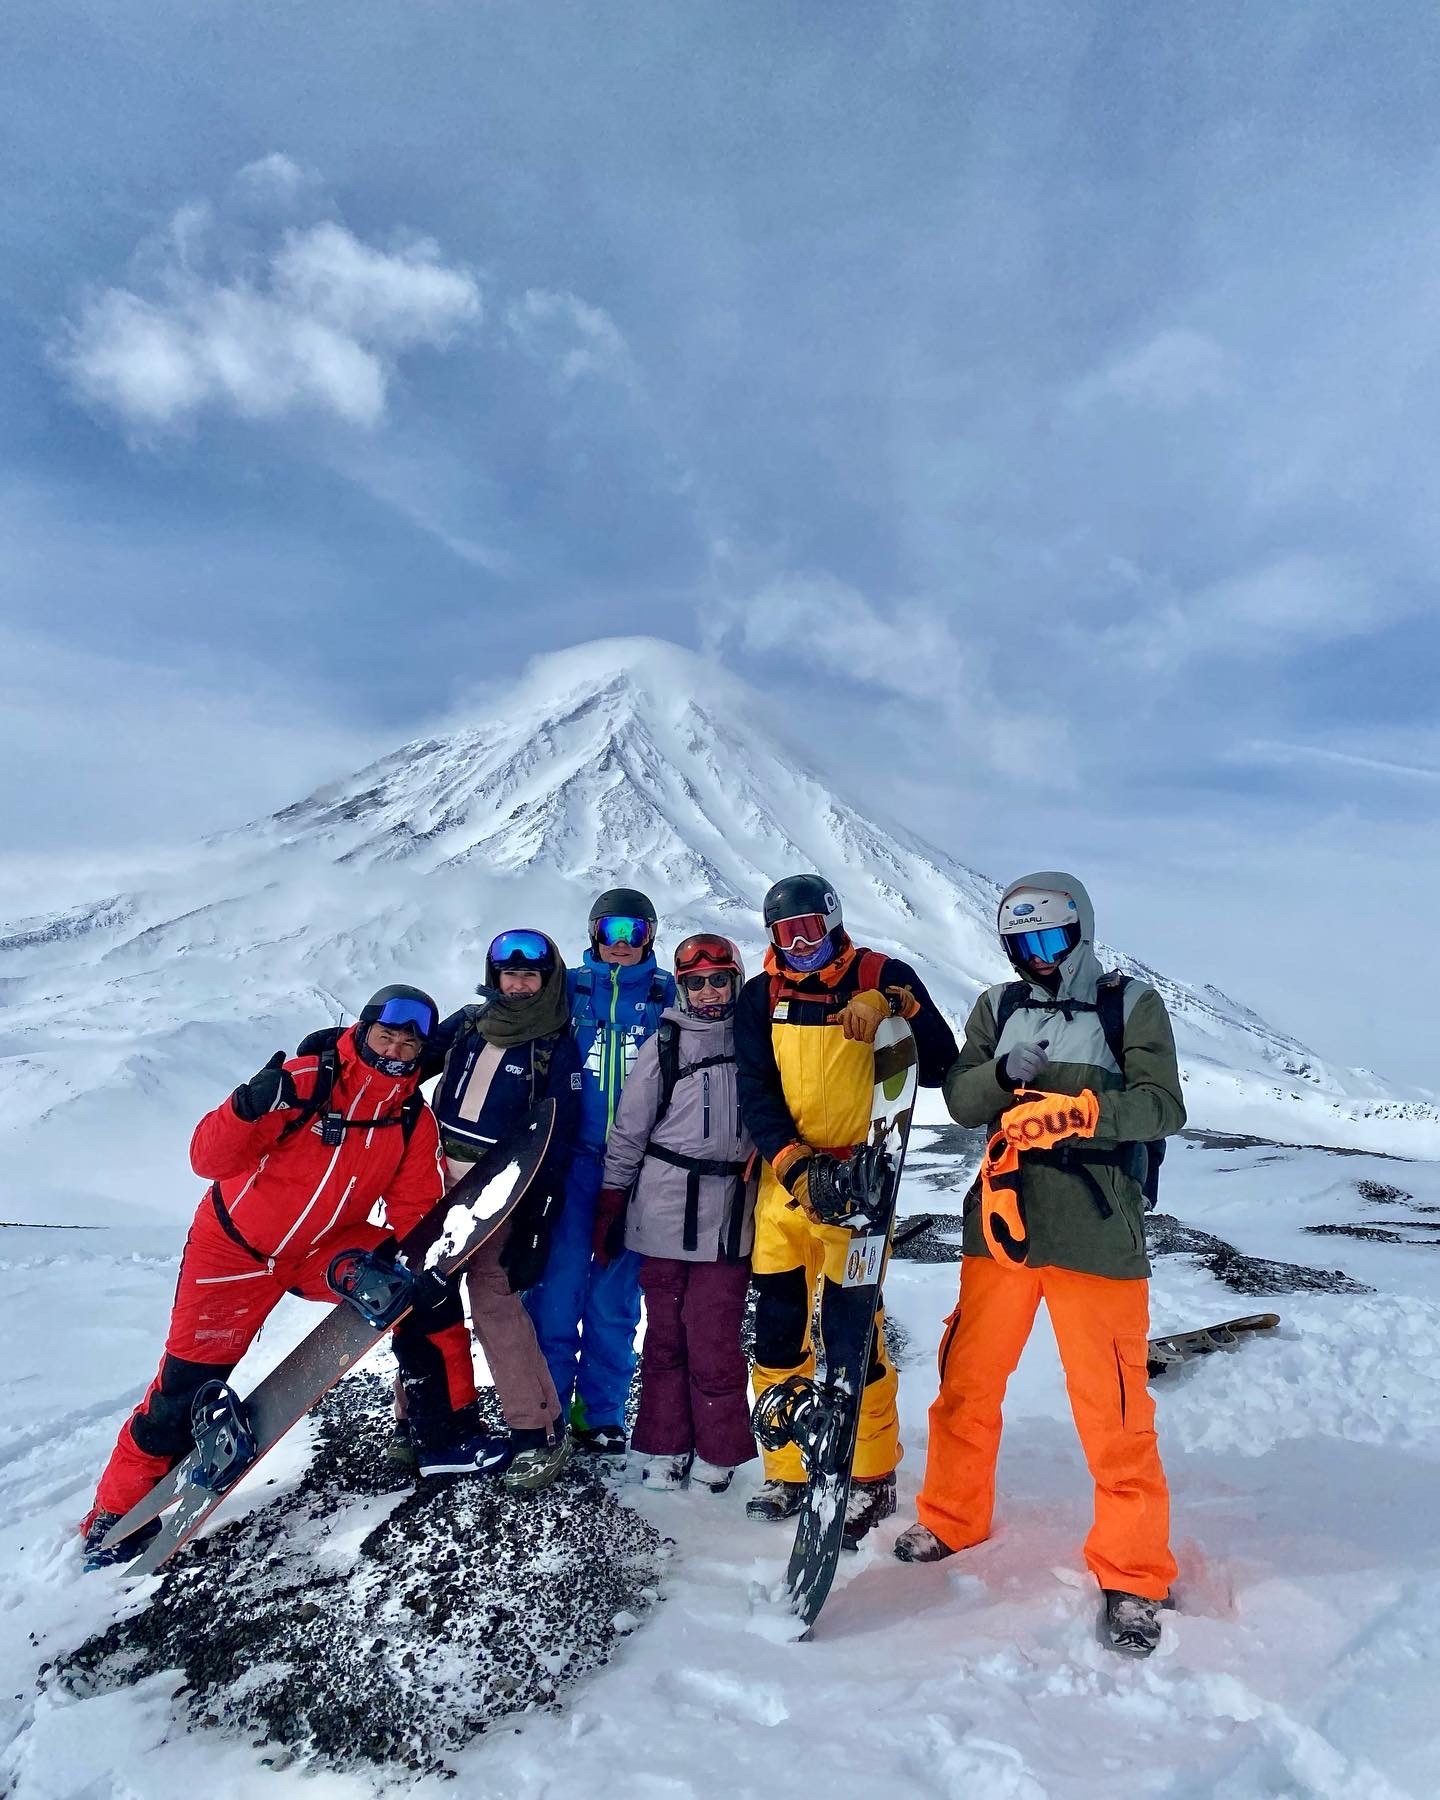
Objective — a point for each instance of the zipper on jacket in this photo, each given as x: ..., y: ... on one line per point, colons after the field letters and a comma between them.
x: 608, y: 1056
x: 706, y: 1103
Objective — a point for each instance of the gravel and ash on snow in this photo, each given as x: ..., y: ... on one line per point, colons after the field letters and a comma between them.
x: 364, y: 1620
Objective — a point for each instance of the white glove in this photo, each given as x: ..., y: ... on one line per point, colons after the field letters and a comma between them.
x: 1023, y: 1064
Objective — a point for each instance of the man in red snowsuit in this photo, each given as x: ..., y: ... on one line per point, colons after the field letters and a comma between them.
x: 282, y: 1202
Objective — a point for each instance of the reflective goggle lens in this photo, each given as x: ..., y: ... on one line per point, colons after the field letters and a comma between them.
x: 519, y: 946
x: 804, y: 932
x: 698, y: 951
x: 618, y: 928
x: 711, y: 978
x: 1048, y: 945
x: 408, y: 1012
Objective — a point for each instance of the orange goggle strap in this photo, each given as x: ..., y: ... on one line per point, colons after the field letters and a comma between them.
x: 1002, y: 1205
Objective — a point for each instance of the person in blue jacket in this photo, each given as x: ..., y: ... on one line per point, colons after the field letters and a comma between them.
x: 496, y: 1059
x: 587, y: 1305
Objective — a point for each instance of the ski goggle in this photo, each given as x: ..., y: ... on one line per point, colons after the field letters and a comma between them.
x: 524, y: 947
x: 619, y: 928
x: 1046, y: 945
x: 806, y: 931
x: 703, y: 951
x: 396, y: 1013
x: 712, y: 978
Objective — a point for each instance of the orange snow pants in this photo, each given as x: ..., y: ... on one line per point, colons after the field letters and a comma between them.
x: 1101, y: 1328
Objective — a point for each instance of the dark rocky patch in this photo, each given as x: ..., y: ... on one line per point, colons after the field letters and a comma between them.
x: 461, y: 1606
x: 1242, y: 1274
x: 918, y: 1238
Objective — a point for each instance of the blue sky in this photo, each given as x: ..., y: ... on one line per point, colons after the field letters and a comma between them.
x: 1051, y: 387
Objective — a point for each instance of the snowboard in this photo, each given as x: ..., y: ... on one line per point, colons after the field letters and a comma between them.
x: 823, y: 1416
x: 443, y: 1242
x: 1180, y: 1346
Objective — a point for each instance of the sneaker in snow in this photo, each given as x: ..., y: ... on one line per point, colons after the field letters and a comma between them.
x: 599, y: 1440
x: 919, y: 1544
x: 714, y: 1476
x: 776, y: 1500
x: 538, y: 1459
x: 665, y: 1474
x: 95, y: 1529
x: 1132, y: 1623
x: 484, y: 1454
x: 870, y: 1501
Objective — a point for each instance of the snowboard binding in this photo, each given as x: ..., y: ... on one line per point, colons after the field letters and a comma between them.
x: 794, y: 1411
x: 224, y: 1437
x: 380, y: 1289
x: 849, y: 1193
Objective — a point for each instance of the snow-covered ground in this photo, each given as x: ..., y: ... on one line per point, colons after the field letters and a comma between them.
x: 1304, y: 1469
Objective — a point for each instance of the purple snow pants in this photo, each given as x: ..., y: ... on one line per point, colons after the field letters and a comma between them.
x: 693, y: 1377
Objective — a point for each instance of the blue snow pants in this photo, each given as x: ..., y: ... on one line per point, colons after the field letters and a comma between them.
x: 585, y: 1315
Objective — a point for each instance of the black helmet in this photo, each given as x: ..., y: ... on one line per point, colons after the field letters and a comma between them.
x: 401, y: 1005
x: 623, y: 903
x: 797, y: 894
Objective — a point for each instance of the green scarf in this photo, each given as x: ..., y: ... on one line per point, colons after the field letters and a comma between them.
x: 511, y: 1019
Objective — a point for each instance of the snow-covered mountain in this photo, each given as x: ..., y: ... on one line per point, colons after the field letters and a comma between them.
x: 624, y: 761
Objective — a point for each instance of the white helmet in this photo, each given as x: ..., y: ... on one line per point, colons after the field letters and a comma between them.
x: 1038, y: 926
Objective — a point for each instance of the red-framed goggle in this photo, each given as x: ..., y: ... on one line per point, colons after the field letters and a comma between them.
x: 806, y: 931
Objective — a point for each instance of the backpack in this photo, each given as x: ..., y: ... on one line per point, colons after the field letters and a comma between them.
x: 667, y: 1043
x: 866, y: 970
x: 1143, y: 1160
x: 322, y: 1044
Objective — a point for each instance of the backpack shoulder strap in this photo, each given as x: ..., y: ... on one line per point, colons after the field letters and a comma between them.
x: 1013, y: 995
x: 410, y: 1115
x: 322, y: 1045
x: 1110, y: 1005
x: 667, y: 1045
x: 869, y: 967
x: 657, y: 995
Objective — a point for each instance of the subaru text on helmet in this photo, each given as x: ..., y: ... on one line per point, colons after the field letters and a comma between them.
x: 1039, y: 927
x: 803, y: 917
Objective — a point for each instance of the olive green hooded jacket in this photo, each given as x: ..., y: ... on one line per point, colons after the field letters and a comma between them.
x: 1138, y: 1103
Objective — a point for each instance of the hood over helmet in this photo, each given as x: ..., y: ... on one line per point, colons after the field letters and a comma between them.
x: 1079, y: 969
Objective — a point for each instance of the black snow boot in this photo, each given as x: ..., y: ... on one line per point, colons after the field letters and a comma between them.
x: 870, y: 1502
x: 1132, y: 1623
x: 96, y: 1528
x: 776, y: 1500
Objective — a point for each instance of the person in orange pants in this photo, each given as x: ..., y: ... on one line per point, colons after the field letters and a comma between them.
x: 1074, y: 1070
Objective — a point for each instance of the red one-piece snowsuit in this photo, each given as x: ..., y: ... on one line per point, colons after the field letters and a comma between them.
x: 274, y: 1216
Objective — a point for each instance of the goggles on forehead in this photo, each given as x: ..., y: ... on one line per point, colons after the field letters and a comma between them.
x: 619, y: 928
x: 806, y: 931
x: 399, y: 1013
x: 704, y: 951
x: 1048, y: 944
x: 528, y: 948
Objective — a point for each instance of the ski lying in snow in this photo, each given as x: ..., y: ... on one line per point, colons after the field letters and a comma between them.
x: 823, y: 1417
x: 1181, y: 1346
x: 371, y: 1299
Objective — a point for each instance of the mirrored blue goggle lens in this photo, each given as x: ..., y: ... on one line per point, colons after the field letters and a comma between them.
x: 408, y: 1012
x: 519, y: 946
x: 1048, y: 945
x: 616, y: 928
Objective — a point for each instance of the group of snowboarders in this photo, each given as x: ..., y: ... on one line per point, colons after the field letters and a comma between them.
x: 700, y: 1121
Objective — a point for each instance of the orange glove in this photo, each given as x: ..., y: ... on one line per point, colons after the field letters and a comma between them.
x: 859, y: 1018
x: 794, y: 1176
x: 902, y: 1001
x: 1040, y: 1121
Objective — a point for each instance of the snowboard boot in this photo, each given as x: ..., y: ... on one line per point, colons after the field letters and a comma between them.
x: 715, y: 1477
x: 870, y: 1501
x: 401, y: 1449
x: 665, y: 1474
x: 486, y: 1453
x: 95, y: 1529
x: 919, y: 1544
x: 538, y: 1458
x: 776, y: 1500
x: 1132, y: 1623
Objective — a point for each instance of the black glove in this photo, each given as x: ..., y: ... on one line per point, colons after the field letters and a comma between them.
x: 269, y: 1091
